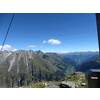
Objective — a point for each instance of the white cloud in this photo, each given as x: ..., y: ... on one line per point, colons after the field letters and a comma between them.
x: 88, y: 50
x: 14, y: 50
x: 41, y: 46
x: 54, y: 51
x: 32, y: 46
x: 45, y: 51
x: 94, y: 50
x: 8, y: 47
x: 63, y: 51
x: 44, y: 41
x: 52, y: 41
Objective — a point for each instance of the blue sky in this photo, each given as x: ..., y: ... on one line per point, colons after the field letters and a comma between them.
x: 55, y: 32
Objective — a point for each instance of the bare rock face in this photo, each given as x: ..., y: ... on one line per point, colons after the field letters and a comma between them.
x: 23, y: 60
x: 26, y: 61
x: 4, y: 55
x: 13, y: 58
x: 19, y: 58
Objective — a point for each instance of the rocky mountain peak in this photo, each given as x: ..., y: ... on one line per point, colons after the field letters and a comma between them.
x: 38, y: 52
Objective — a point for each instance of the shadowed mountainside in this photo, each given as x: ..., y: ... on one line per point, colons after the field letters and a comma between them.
x: 93, y: 64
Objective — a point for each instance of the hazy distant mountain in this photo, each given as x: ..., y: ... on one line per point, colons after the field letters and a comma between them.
x: 90, y: 58
x: 23, y: 67
x: 93, y: 64
x: 81, y: 57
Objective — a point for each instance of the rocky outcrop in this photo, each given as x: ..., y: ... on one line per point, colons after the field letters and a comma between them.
x: 76, y: 73
x: 65, y: 84
x: 83, y: 84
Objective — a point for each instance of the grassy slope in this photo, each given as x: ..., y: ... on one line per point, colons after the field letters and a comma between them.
x: 77, y: 79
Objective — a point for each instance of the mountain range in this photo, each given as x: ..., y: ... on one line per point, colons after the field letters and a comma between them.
x: 81, y: 57
x: 22, y: 67
x: 85, y: 60
x: 93, y: 64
